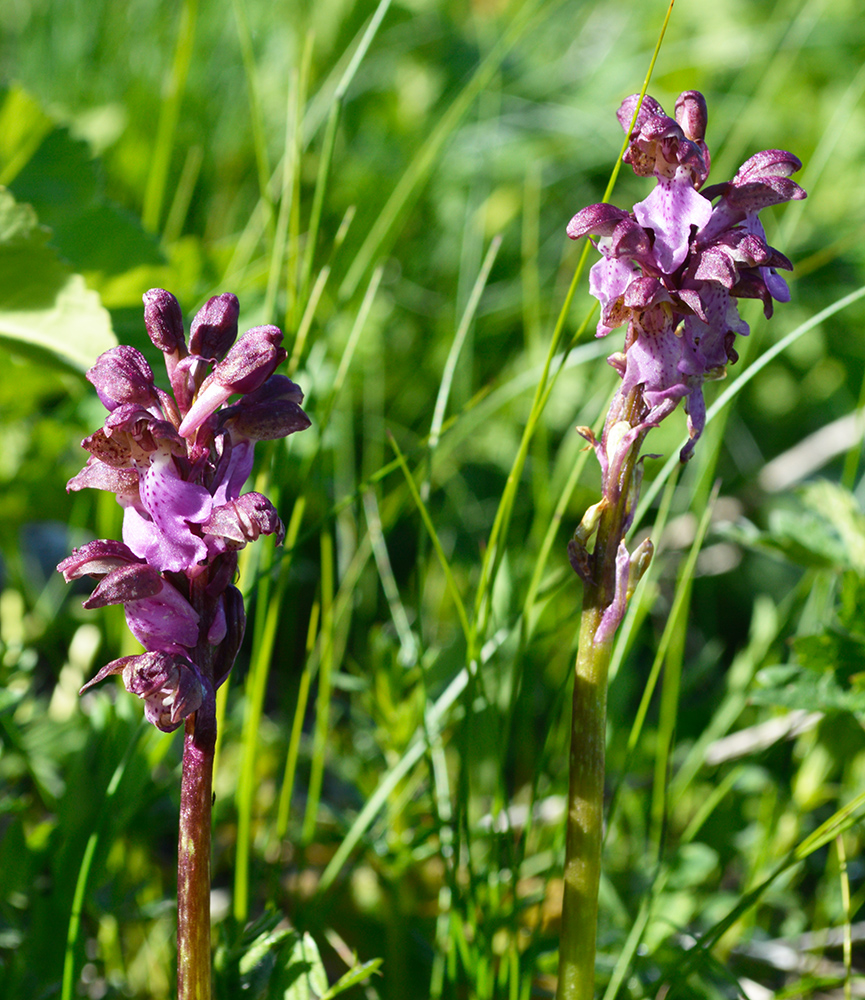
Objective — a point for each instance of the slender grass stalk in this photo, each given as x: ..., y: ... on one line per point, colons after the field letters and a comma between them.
x: 286, y: 198
x: 259, y: 139
x: 845, y: 903
x: 67, y: 990
x: 322, y: 707
x: 183, y: 195
x: 285, y: 794
x: 676, y: 629
x: 169, y: 113
x: 264, y: 640
x: 381, y: 232
x: 836, y: 825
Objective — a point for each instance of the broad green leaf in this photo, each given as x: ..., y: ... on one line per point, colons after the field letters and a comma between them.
x: 63, y: 183
x: 44, y: 308
x: 23, y: 126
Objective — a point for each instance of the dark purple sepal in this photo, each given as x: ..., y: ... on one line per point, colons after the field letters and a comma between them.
x: 235, y: 626
x: 244, y: 520
x: 130, y: 581
x: 97, y: 475
x: 270, y: 412
x: 97, y: 559
x: 596, y: 220
x: 752, y: 286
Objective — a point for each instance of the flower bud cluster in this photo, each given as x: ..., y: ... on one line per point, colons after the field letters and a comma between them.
x: 673, y: 268
x: 177, y: 463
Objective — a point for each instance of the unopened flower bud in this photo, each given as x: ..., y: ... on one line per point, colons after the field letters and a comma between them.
x: 272, y: 411
x: 214, y: 328
x: 122, y: 375
x: 245, y: 368
x: 641, y: 557
x: 163, y: 319
x: 589, y: 524
x: 691, y: 114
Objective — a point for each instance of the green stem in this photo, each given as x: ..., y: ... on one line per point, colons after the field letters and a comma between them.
x: 588, y: 725
x: 585, y: 814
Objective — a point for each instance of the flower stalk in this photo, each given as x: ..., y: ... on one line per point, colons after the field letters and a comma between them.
x: 193, y: 842
x: 671, y: 270
x: 193, y: 856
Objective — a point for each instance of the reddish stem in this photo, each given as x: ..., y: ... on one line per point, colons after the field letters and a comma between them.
x: 193, y: 846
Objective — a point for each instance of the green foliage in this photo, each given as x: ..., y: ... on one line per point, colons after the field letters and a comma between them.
x: 391, y: 183
x: 42, y: 305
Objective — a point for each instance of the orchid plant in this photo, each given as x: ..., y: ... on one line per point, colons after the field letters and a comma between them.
x: 672, y: 270
x: 177, y: 463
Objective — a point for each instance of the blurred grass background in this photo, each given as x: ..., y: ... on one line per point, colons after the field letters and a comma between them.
x: 390, y: 183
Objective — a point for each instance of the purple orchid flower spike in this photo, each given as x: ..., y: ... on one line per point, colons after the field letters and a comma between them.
x: 177, y: 464
x: 673, y: 267
x: 671, y: 271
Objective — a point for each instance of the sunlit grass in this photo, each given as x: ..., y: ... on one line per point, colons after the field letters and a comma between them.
x: 391, y: 182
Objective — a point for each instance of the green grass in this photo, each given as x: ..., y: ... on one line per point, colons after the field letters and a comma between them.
x: 391, y: 183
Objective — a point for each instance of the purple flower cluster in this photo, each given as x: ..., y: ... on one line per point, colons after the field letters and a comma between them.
x: 177, y: 463
x: 673, y: 268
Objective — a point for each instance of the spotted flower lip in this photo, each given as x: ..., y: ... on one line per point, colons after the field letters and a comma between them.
x: 177, y: 465
x: 673, y: 267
